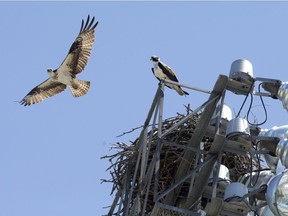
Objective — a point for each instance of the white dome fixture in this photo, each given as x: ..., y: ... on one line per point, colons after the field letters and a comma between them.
x: 223, y: 174
x: 226, y: 114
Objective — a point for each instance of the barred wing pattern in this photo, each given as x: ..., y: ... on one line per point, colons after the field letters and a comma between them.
x: 80, y: 51
x: 73, y: 64
x: 45, y: 90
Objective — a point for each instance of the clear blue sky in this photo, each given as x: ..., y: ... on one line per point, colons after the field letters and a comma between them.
x: 50, y: 152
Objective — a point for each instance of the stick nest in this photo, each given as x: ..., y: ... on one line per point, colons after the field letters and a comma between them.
x: 170, y: 157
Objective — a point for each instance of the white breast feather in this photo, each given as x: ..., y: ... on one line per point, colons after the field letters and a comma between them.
x: 160, y: 74
x: 64, y: 76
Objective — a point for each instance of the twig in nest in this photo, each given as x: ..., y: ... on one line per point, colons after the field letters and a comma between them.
x: 133, y: 129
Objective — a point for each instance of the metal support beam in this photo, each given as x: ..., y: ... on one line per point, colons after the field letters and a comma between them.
x: 239, y: 88
x: 185, y: 177
x: 203, y: 176
x: 187, y: 86
x: 158, y: 147
x: 186, y: 118
x: 134, y: 162
x: 197, y: 136
x: 158, y: 94
x: 174, y: 209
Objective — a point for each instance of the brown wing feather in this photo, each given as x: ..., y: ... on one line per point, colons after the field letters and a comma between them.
x: 45, y: 90
x: 172, y: 76
x: 168, y: 72
x: 81, y: 48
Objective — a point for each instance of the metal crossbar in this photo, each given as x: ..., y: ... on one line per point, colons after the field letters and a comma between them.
x: 186, y: 86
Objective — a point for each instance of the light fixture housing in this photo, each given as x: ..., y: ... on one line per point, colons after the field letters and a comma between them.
x: 226, y: 114
x: 283, y: 94
x: 235, y: 192
x: 282, y: 152
x: 242, y: 70
x: 281, y: 149
x: 276, y: 131
x: 237, y: 127
x: 223, y: 174
x: 256, y: 179
x: 277, y: 194
x: 265, y: 211
x: 271, y: 161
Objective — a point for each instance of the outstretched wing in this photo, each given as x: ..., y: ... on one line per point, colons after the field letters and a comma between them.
x: 45, y: 90
x: 168, y: 72
x: 80, y: 51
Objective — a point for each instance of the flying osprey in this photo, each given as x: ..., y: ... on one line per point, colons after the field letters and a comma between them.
x: 65, y: 75
x: 162, y: 71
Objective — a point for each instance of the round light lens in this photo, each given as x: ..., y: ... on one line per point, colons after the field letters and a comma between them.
x: 277, y: 194
x: 282, y: 195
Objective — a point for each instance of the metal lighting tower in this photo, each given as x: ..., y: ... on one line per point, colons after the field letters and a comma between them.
x: 200, y: 170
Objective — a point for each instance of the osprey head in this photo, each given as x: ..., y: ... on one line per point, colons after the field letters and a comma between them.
x: 51, y: 72
x: 155, y: 58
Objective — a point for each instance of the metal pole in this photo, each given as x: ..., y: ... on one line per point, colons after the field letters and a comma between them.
x: 187, y: 86
x: 158, y: 147
x: 128, y: 196
x: 203, y: 176
x: 184, y: 177
x: 218, y: 122
x: 197, y: 136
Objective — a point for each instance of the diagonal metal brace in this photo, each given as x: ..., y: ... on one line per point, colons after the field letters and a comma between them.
x: 197, y: 136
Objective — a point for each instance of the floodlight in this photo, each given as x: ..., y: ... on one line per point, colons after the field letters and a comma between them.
x: 242, y: 71
x: 277, y: 194
x: 237, y: 127
x: 222, y: 175
x: 226, y: 114
x: 271, y: 161
x: 235, y: 192
x: 283, y: 94
x: 282, y: 152
x: 276, y: 131
x: 265, y: 211
x: 270, y: 85
x: 256, y: 179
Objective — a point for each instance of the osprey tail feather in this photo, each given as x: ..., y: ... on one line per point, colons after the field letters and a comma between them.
x: 79, y: 87
x: 180, y: 91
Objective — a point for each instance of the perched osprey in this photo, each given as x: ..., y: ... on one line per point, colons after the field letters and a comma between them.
x: 65, y: 75
x: 162, y: 71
